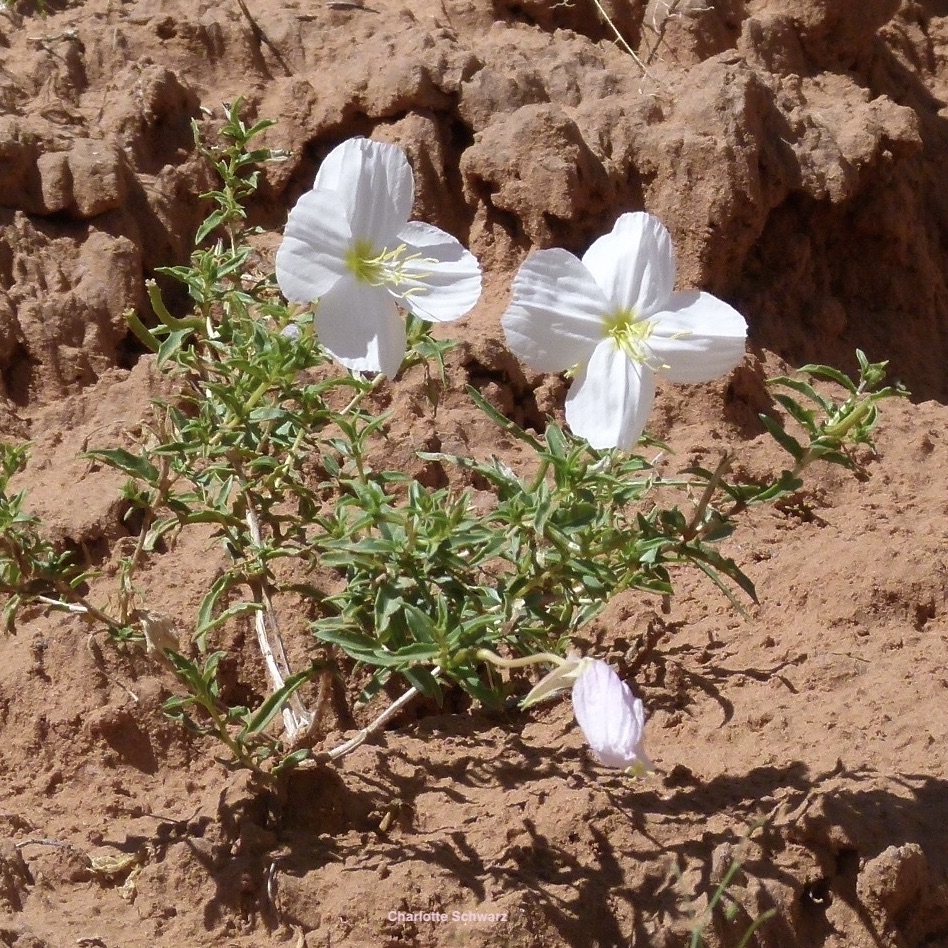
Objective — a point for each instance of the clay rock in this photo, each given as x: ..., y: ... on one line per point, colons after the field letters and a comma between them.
x: 689, y: 31
x: 500, y: 87
x: 892, y: 885
x: 70, y: 332
x: 415, y: 70
x: 716, y: 217
x: 771, y: 41
x: 840, y: 134
x: 37, y: 176
x: 18, y: 154
x: 832, y: 31
x: 8, y: 332
x: 153, y: 124
x: 434, y: 163
x: 96, y: 172
x: 84, y: 182
x: 14, y: 877
x: 535, y: 165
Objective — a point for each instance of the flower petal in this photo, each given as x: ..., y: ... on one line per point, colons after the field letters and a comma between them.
x: 634, y: 264
x: 611, y: 718
x: 311, y: 258
x: 448, y: 277
x: 359, y: 325
x: 556, y: 314
x: 375, y: 183
x: 610, y: 399
x: 698, y: 337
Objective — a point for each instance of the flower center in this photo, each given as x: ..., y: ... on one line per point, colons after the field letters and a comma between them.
x: 395, y: 269
x: 364, y: 263
x: 631, y: 335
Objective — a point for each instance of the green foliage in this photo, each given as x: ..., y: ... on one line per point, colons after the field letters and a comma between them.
x: 25, y: 7
x: 31, y: 567
x: 831, y: 427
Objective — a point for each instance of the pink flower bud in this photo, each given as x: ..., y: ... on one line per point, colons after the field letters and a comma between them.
x: 611, y: 717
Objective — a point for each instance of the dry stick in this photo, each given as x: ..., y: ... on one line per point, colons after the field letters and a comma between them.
x: 306, y: 738
x: 620, y: 38
x: 261, y: 37
x: 659, y: 29
x: 694, y: 525
x: 295, y: 716
x: 342, y: 749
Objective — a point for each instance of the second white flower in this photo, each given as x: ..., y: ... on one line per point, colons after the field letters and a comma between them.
x: 615, y: 319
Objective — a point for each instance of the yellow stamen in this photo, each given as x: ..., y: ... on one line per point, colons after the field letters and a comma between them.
x: 631, y: 335
x: 388, y: 268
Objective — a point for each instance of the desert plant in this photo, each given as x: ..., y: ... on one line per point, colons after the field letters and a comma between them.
x: 266, y: 443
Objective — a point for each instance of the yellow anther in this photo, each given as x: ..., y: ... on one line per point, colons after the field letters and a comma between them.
x: 631, y: 335
x: 392, y: 268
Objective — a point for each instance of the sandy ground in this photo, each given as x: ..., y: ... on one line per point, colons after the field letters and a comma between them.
x: 797, y: 152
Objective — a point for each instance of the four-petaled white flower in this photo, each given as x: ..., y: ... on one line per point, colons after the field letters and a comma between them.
x: 349, y: 244
x: 615, y: 319
x: 610, y: 716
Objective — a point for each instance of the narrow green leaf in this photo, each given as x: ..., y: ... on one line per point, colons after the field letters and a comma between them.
x: 273, y: 705
x: 132, y: 464
x: 348, y: 641
x: 425, y: 682
x: 556, y: 441
x: 213, y: 221
x: 10, y: 610
x: 827, y: 371
x: 206, y: 620
x: 805, y: 389
x: 803, y: 416
x: 786, y: 441
x: 171, y: 344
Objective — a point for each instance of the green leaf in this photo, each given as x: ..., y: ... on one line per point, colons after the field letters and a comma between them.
x: 786, y: 441
x: 803, y: 416
x: 290, y: 761
x: 387, y: 603
x: 556, y: 442
x: 206, y: 620
x: 171, y: 344
x: 10, y: 610
x: 268, y: 413
x: 273, y: 705
x: 784, y: 485
x: 829, y: 372
x: 425, y: 682
x: 804, y: 388
x: 347, y: 641
x: 213, y: 221
x: 132, y: 464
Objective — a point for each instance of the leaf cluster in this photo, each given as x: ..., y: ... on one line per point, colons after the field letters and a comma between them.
x: 31, y: 566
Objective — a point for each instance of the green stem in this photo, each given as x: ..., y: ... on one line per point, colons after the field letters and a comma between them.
x: 541, y: 658
x: 161, y: 311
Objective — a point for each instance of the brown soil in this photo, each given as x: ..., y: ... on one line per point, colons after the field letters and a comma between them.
x: 797, y: 151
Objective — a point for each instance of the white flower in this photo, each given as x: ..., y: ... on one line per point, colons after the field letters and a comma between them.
x: 614, y: 318
x: 349, y: 244
x: 611, y: 717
